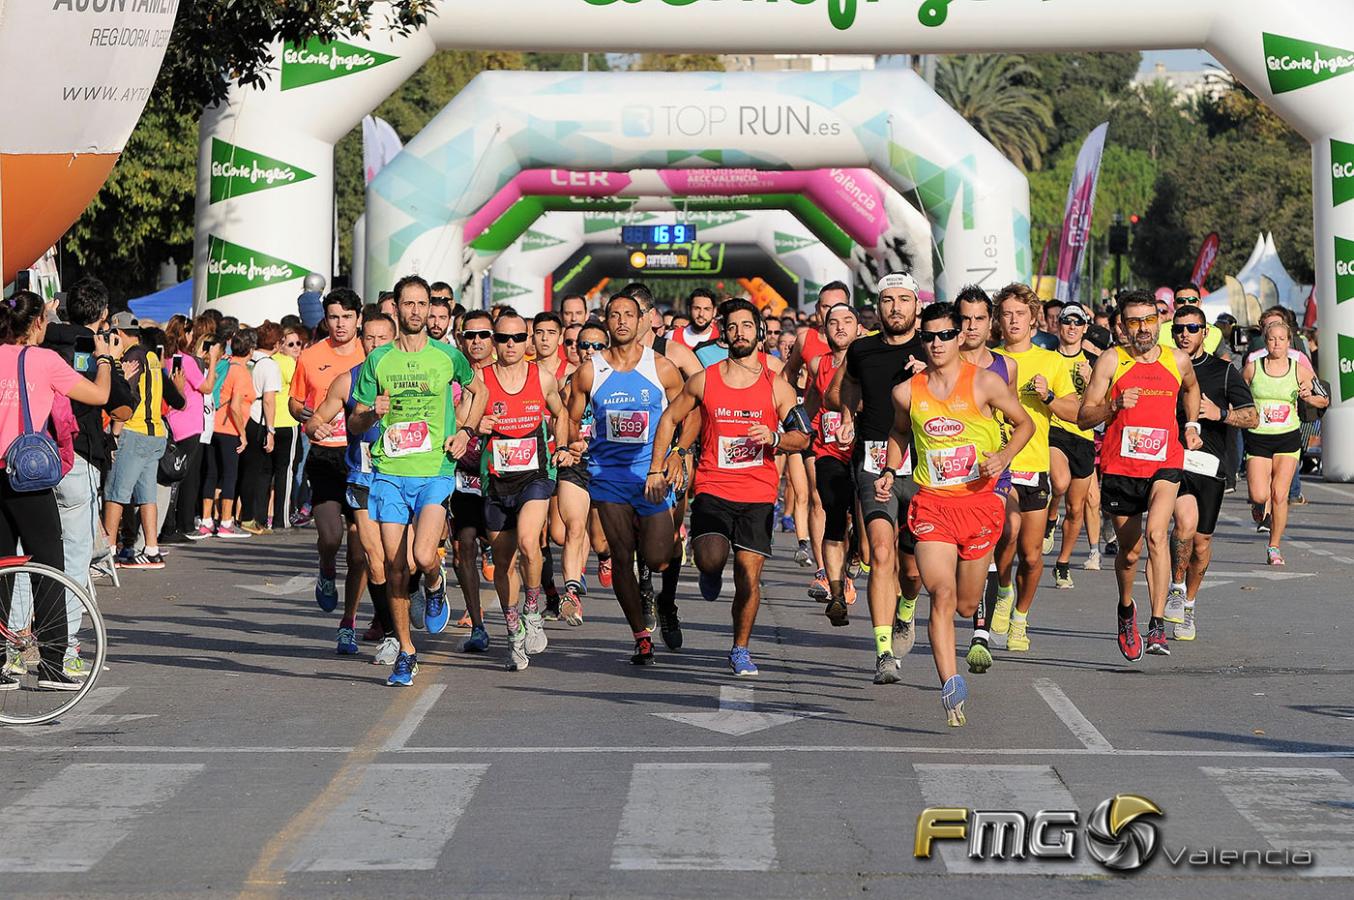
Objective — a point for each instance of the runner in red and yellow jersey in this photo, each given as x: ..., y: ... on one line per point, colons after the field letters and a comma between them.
x: 1136, y: 388
x: 742, y: 404
x: 830, y: 470
x: 957, y: 516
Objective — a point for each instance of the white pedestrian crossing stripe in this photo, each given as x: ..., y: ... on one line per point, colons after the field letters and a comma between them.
x: 398, y: 816
x: 1027, y: 789
x: 698, y: 816
x: 70, y: 822
x: 1296, y: 809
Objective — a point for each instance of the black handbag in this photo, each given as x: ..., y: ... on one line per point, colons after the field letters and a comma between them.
x: 174, y: 464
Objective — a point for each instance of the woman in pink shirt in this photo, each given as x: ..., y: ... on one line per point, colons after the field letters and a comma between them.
x: 32, y: 516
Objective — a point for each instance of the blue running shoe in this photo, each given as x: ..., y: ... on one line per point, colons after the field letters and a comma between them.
x: 326, y: 593
x: 406, y: 667
x: 436, y: 611
x: 741, y: 662
x: 583, y: 585
x: 478, y: 641
x: 712, y: 585
x: 347, y: 642
x: 952, y: 697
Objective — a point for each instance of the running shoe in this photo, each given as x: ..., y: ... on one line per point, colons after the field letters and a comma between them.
x: 1175, y: 605
x: 139, y: 560
x: 1273, y: 557
x: 465, y: 621
x: 1185, y: 630
x: 1156, y: 640
x: 1062, y: 576
x: 650, y: 611
x: 406, y: 667
x: 8, y: 684
x: 1112, y: 548
x: 583, y: 585
x: 14, y: 663
x: 74, y: 666
x: 326, y: 593
x: 173, y: 537
x: 804, y: 554
x: 979, y: 657
x: 670, y: 627
x: 604, y: 572
x: 125, y: 558
x: 347, y: 642
x: 853, y: 568
x: 536, y: 641
x: 787, y: 524
x: 231, y: 531
x: 711, y: 585
x: 255, y: 527
x: 952, y: 697
x: 1001, y: 610
x: 886, y: 667
x: 1299, y: 500
x: 551, y: 612
x: 849, y: 588
x: 203, y: 530
x: 387, y: 652
x: 1266, y: 524
x: 1092, y: 563
x: 436, y: 610
x: 418, y: 608
x: 478, y: 642
x: 571, y: 607
x: 645, y: 586
x: 487, y: 563
x: 1018, y: 638
x: 302, y: 517
x: 59, y: 681
x: 1130, y: 642
x: 740, y: 661
x: 643, y: 655
x: 1050, y: 532
x: 517, y: 650
x: 374, y: 632
x: 836, y: 612
x: 818, y: 588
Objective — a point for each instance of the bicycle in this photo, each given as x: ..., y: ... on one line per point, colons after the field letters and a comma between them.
x: 54, y: 642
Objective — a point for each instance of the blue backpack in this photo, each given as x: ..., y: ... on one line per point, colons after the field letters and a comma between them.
x: 32, y: 462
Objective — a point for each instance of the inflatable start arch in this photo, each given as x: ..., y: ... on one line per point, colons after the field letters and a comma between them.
x: 1299, y: 57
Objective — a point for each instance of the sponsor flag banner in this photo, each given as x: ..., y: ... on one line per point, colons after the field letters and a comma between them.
x: 1344, y: 269
x: 237, y: 171
x: 232, y: 268
x: 380, y: 144
x: 1293, y: 64
x: 1341, y: 172
x: 1203, y: 263
x: 315, y: 61
x: 1346, y: 349
x: 1076, y: 231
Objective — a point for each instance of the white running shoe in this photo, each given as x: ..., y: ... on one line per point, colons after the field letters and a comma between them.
x: 1185, y: 630
x: 1092, y: 563
x: 517, y: 650
x: 387, y: 652
x: 1175, y: 606
x: 536, y: 641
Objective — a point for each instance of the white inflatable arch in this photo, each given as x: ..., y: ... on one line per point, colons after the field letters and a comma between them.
x: 1296, y: 56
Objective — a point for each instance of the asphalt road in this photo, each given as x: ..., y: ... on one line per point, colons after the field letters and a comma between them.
x: 228, y: 751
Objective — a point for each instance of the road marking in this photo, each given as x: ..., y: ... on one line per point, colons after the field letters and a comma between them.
x: 1024, y: 788
x: 1343, y: 560
x: 424, y: 705
x: 69, y: 823
x: 1065, y: 709
x: 293, y: 585
x: 1298, y: 809
x: 84, y: 716
x: 1320, y: 551
x: 399, y: 816
x: 698, y: 816
x: 1343, y: 495
x: 737, y: 716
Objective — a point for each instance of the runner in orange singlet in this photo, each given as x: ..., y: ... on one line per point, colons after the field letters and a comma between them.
x: 1135, y: 388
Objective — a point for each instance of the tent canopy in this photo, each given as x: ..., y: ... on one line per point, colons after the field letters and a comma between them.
x: 161, y: 305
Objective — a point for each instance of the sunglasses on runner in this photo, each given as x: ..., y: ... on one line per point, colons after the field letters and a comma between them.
x: 569, y: 342
x: 518, y: 338
x: 591, y: 345
x: 477, y: 335
x: 291, y: 343
x: 1071, y: 320
x: 1141, y: 321
x: 949, y: 334
x: 1191, y: 327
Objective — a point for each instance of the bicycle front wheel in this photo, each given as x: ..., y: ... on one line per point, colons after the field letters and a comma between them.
x: 54, y: 644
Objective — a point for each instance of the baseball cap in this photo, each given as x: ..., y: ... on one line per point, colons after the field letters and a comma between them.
x: 124, y: 321
x: 898, y: 280
x: 1074, y: 309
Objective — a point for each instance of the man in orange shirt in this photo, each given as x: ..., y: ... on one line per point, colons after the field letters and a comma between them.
x: 326, y: 468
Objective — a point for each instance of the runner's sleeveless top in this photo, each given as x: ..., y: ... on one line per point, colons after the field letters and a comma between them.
x: 952, y: 437
x: 1143, y: 440
x: 731, y: 466
x: 517, y: 451
x: 358, y: 453
x: 626, y: 407
x: 1276, y: 397
x: 826, y: 422
x: 814, y: 345
x: 689, y: 339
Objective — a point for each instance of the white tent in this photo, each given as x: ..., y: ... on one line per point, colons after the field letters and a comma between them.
x: 1263, y: 263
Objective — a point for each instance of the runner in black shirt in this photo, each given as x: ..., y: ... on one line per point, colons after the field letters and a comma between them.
x: 1226, y: 403
x: 863, y: 392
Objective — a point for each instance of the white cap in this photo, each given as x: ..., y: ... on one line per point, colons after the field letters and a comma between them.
x: 898, y: 280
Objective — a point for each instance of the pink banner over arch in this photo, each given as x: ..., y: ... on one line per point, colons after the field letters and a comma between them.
x: 851, y: 197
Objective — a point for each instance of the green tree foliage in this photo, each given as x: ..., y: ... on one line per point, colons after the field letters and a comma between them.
x: 1084, y: 88
x: 1127, y: 184
x: 680, y: 62
x: 998, y: 95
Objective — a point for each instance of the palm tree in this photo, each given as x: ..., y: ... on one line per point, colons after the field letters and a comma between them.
x: 995, y: 92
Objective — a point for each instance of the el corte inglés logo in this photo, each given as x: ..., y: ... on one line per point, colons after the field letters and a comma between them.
x: 1341, y: 172
x: 237, y: 171
x: 232, y: 268
x: 1344, y: 269
x: 1293, y: 64
x: 1346, y: 349
x: 314, y: 62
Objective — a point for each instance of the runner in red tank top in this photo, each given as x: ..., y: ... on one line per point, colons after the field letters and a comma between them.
x: 830, y: 471
x: 701, y: 308
x: 742, y: 405
x: 1135, y: 388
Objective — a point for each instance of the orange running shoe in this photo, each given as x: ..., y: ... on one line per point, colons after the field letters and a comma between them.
x: 604, y: 572
x: 487, y: 564
x: 849, y: 589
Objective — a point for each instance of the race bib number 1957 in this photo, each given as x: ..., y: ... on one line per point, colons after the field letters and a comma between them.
x: 953, y: 465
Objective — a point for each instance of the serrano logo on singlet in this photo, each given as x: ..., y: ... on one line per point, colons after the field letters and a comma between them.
x: 942, y: 426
